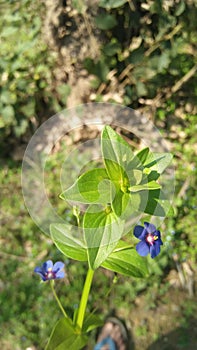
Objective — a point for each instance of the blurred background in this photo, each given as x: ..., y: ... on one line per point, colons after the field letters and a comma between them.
x: 56, y: 54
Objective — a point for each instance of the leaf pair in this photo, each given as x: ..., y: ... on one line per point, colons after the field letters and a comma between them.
x: 123, y: 258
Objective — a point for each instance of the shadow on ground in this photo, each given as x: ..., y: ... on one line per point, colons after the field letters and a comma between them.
x: 180, y: 338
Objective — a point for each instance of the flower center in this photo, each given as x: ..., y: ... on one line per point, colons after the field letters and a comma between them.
x: 50, y: 274
x: 150, y: 238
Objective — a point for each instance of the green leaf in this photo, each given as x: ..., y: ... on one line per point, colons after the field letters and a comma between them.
x: 8, y: 115
x: 102, y: 231
x: 164, y: 61
x: 67, y: 243
x: 158, y: 161
x: 8, y: 98
x: 28, y: 109
x: 154, y: 203
x: 9, y: 31
x: 120, y: 202
x: 91, y: 322
x: 105, y: 21
x: 64, y: 91
x: 135, y: 176
x: 141, y: 89
x: 111, y: 4
x: 111, y: 48
x: 180, y: 8
x: 125, y: 204
x: 126, y: 261
x: 146, y: 159
x: 116, y: 153
x: 21, y: 127
x: 93, y: 186
x: 152, y: 185
x: 64, y: 336
x: 99, y: 68
x: 149, y: 175
x: 139, y: 159
x: 143, y: 154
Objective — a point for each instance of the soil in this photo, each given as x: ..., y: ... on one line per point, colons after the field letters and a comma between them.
x: 169, y: 324
x: 166, y: 326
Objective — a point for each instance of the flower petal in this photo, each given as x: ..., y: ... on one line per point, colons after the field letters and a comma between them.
x: 47, y: 265
x: 155, y: 249
x: 58, y: 266
x: 139, y: 232
x: 60, y: 274
x: 150, y: 228
x: 142, y: 248
x: 38, y: 269
x: 40, y: 272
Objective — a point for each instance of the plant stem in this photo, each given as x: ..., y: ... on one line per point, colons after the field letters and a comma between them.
x: 84, y: 298
x: 76, y: 213
x: 57, y: 299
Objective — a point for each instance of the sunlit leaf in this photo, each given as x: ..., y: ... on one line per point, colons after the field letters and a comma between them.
x: 154, y: 202
x: 158, y: 161
x: 153, y: 185
x: 93, y: 186
x: 126, y: 261
x: 116, y: 153
x: 102, y: 231
x: 71, y: 246
x: 111, y: 4
x: 64, y: 336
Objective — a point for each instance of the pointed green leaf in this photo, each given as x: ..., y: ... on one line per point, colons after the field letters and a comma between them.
x: 65, y: 240
x: 153, y: 185
x: 143, y: 154
x: 120, y: 202
x: 135, y: 176
x: 146, y: 159
x: 154, y: 203
x: 158, y: 161
x: 116, y: 153
x: 102, y: 231
x: 139, y: 159
x: 133, y: 204
x: 91, y: 322
x: 126, y: 261
x: 149, y: 175
x: 64, y: 336
x: 125, y: 204
x: 93, y: 186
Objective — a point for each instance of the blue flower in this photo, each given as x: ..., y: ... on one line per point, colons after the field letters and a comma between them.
x: 48, y: 271
x: 150, y: 240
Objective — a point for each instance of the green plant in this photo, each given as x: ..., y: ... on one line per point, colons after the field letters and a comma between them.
x: 26, y: 85
x: 147, y: 48
x: 126, y: 184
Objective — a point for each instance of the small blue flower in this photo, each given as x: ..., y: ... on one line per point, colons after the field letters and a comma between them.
x: 150, y: 240
x: 48, y: 271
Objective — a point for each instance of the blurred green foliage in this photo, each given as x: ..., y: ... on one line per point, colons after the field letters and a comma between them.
x: 181, y: 228
x: 26, y: 84
x: 149, y: 46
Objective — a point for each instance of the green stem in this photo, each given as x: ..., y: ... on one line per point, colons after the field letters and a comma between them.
x: 76, y: 213
x: 84, y: 298
x: 57, y: 299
